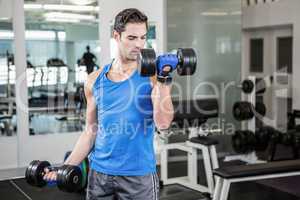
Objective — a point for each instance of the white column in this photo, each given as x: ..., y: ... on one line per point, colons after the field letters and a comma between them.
x: 21, y: 80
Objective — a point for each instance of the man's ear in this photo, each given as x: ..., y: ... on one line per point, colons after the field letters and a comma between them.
x: 116, y: 35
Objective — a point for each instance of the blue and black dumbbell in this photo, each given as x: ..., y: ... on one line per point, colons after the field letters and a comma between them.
x: 185, y: 61
x: 69, y: 177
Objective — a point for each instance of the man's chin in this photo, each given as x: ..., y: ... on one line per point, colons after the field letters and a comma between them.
x: 132, y: 57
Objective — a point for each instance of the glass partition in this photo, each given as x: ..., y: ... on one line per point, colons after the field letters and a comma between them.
x: 213, y: 29
x: 7, y: 80
x: 57, y: 40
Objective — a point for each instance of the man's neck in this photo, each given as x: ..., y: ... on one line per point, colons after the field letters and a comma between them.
x: 124, y: 65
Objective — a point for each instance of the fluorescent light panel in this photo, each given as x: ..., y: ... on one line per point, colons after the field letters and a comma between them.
x: 69, y: 16
x: 33, y: 6
x: 214, y: 13
x: 35, y: 35
x: 236, y: 13
x: 61, y: 7
x: 6, y: 35
x: 69, y: 8
x: 62, y: 20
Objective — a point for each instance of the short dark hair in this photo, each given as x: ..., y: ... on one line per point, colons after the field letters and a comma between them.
x: 129, y: 15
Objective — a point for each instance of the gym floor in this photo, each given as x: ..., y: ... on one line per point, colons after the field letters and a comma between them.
x: 276, y: 189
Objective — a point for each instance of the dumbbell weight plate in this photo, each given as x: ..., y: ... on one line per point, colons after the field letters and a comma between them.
x: 243, y: 141
x: 239, y: 142
x: 243, y: 110
x: 247, y: 86
x: 263, y: 137
x: 29, y: 178
x: 84, y: 166
x: 36, y: 173
x: 69, y: 178
x: 187, y: 61
x: 147, y: 62
x: 84, y: 171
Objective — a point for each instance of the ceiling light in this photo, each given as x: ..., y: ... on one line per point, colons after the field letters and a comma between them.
x: 236, y: 13
x: 34, y: 35
x: 6, y: 35
x: 82, y: 2
x: 61, y: 7
x: 60, y: 15
x: 4, y: 18
x: 62, y: 20
x: 40, y: 35
x: 214, y: 13
x: 33, y: 6
x: 69, y: 8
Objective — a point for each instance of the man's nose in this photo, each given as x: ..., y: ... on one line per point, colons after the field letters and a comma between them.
x: 140, y: 44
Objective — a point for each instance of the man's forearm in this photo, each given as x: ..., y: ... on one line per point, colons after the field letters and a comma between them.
x: 163, y: 111
x: 81, y: 150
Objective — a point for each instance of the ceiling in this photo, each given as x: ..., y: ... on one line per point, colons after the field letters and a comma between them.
x: 72, y: 2
x: 61, y: 11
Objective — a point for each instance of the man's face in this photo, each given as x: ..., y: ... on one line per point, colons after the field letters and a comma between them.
x: 132, y: 40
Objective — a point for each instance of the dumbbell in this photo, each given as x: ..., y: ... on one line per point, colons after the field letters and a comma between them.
x: 243, y: 141
x: 247, y: 141
x: 69, y: 177
x: 84, y: 166
x: 244, y: 110
x: 247, y: 86
x: 187, y: 62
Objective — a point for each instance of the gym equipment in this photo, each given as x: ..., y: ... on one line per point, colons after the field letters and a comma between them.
x: 194, y: 113
x: 191, y: 114
x: 247, y: 141
x: 243, y: 141
x: 248, y: 85
x: 241, y: 173
x: 187, y: 62
x: 6, y: 126
x: 243, y: 110
x: 292, y: 116
x: 260, y: 85
x: 55, y: 62
x: 260, y: 108
x: 290, y: 139
x: 84, y: 167
x: 147, y: 62
x: 69, y: 178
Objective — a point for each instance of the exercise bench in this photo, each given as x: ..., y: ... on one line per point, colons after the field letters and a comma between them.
x: 241, y: 173
x: 191, y: 114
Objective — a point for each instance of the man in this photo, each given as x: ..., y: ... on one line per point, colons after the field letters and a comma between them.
x: 123, y: 109
x: 88, y: 60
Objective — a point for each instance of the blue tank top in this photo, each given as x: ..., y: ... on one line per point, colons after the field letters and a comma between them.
x: 124, y: 141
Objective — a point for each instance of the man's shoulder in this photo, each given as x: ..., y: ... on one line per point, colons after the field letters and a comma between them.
x: 91, y: 78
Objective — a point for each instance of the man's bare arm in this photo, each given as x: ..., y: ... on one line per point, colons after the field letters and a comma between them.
x: 86, y: 140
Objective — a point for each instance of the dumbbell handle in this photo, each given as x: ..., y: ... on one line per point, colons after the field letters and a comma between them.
x: 51, y: 169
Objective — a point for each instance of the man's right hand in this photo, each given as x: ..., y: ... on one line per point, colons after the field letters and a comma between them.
x: 50, y: 175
